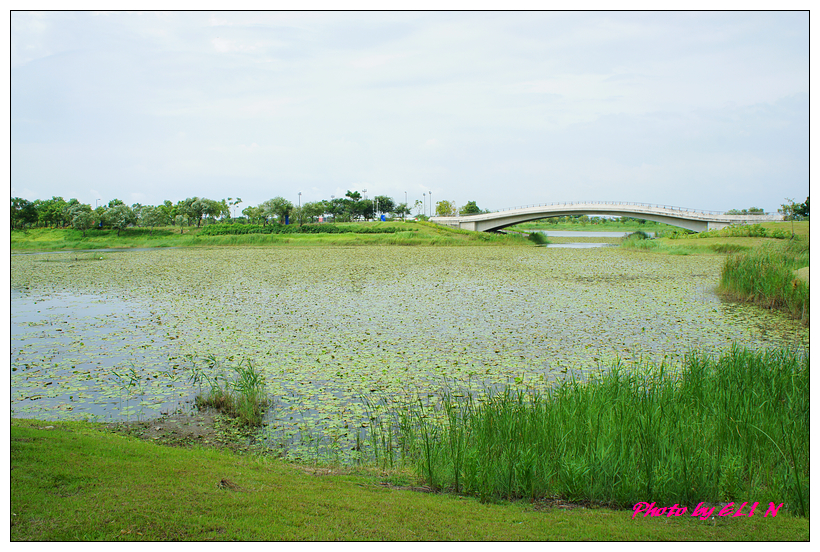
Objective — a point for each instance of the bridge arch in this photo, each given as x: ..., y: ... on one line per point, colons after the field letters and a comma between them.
x: 690, y: 219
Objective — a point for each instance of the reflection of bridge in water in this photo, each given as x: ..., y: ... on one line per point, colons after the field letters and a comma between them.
x: 691, y: 219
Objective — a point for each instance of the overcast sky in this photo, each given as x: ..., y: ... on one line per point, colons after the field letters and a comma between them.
x: 700, y: 110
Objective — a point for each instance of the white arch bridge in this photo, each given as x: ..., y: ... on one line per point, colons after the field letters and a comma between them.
x: 691, y: 219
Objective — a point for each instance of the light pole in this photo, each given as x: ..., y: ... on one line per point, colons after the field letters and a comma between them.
x: 405, y: 206
x: 300, y: 208
x: 424, y: 203
x: 97, y: 204
x: 431, y: 203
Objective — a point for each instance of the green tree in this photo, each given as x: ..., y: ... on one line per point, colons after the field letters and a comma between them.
x: 255, y: 215
x: 120, y: 216
x: 470, y: 209
x: 215, y: 209
x: 364, y: 209
x: 232, y: 203
x: 445, y: 208
x: 802, y: 209
x: 81, y: 216
x: 789, y: 210
x: 23, y: 212
x: 384, y: 204
x: 749, y: 211
x: 278, y: 207
x: 50, y: 212
x: 313, y: 210
x: 179, y: 220
x: 169, y: 211
x: 401, y: 210
x: 152, y: 217
x: 355, y: 196
x: 341, y: 209
x: 193, y: 208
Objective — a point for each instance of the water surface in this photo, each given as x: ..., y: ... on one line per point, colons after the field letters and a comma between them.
x: 331, y: 327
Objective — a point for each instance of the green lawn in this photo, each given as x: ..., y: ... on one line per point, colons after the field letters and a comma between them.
x: 77, y: 481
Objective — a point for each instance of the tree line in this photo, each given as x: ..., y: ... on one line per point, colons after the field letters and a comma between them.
x: 195, y: 211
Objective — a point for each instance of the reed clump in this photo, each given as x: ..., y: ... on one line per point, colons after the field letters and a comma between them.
x: 714, y: 429
x: 639, y: 241
x: 538, y: 238
x: 766, y: 276
x: 237, y: 390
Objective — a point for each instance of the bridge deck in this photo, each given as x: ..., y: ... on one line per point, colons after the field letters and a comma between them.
x: 692, y: 219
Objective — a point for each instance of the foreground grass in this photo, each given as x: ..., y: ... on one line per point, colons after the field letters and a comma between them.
x: 715, y: 429
x: 76, y: 481
x: 407, y: 233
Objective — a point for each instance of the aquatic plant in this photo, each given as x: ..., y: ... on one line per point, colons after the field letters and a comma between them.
x: 129, y: 383
x: 238, y: 391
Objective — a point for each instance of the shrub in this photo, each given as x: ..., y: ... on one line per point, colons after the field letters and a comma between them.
x: 538, y: 238
x: 229, y: 229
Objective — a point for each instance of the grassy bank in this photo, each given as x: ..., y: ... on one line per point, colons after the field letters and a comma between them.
x: 733, y: 428
x: 394, y: 233
x: 76, y: 481
x: 767, y: 276
x: 729, y: 240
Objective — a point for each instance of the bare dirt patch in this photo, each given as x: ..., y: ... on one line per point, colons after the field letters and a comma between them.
x: 197, y: 428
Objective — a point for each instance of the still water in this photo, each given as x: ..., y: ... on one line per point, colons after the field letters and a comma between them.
x: 581, y: 234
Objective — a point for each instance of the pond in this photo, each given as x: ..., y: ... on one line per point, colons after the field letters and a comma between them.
x: 334, y: 327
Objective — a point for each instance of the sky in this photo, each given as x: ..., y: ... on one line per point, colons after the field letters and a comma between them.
x: 704, y: 110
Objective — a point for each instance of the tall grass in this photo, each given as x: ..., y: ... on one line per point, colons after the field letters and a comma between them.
x: 238, y: 391
x: 765, y: 276
x: 639, y: 241
x: 739, y: 231
x: 731, y: 428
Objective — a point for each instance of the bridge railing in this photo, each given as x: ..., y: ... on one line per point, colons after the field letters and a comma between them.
x: 617, y: 203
